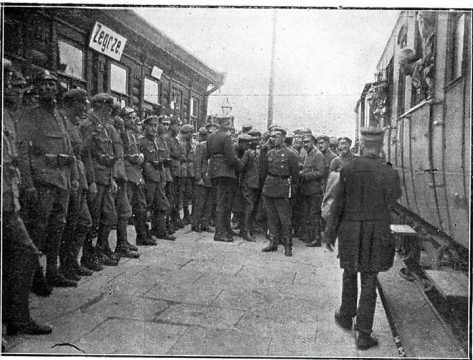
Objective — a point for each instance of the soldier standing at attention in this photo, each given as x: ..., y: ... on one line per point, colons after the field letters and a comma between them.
x: 99, y: 159
x: 280, y: 170
x: 20, y: 255
x: 203, y: 185
x: 156, y: 199
x: 136, y: 182
x: 45, y: 162
x: 361, y: 219
x: 312, y: 175
x: 223, y: 165
x: 122, y: 203
x: 176, y: 158
x: 79, y: 220
x: 186, y: 171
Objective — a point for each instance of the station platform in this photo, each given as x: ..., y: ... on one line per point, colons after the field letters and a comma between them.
x: 194, y: 296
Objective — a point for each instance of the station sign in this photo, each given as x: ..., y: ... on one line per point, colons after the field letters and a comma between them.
x: 107, y: 42
x: 156, y: 72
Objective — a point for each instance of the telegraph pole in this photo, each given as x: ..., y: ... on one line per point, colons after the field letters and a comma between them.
x: 271, y: 74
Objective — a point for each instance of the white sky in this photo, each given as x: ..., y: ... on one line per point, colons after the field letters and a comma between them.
x: 323, y: 60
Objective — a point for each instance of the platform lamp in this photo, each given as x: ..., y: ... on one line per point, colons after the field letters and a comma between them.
x: 226, y: 107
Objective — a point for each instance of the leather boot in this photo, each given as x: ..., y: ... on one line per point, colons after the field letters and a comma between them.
x: 40, y: 287
x: 288, y: 247
x: 271, y: 247
x: 187, y: 219
x: 103, y: 251
x: 365, y: 341
x: 123, y: 249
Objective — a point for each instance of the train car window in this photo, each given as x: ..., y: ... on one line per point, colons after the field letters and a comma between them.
x: 71, y: 60
x: 151, y: 91
x: 458, y: 43
x: 118, y: 79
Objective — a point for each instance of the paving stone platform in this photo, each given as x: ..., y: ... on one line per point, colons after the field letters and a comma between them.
x: 195, y: 296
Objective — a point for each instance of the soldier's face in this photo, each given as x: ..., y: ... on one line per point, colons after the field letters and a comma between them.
x: 344, y: 146
x: 47, y: 89
x: 277, y: 138
x: 322, y: 145
x: 130, y: 121
x: 151, y: 129
x: 308, y: 144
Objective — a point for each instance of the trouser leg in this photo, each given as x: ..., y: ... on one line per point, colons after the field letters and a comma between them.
x: 220, y: 229
x: 124, y: 213
x: 199, y: 205
x: 349, y: 294
x: 283, y: 207
x: 272, y: 219
x: 367, y: 303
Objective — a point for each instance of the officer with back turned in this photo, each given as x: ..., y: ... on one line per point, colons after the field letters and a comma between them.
x: 361, y: 219
x: 46, y: 161
x: 223, y: 165
x: 280, y: 172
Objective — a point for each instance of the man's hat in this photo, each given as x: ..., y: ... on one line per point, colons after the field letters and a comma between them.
x: 45, y: 75
x: 246, y: 127
x: 127, y: 111
x: 224, y: 122
x: 75, y: 95
x: 102, y: 98
x: 324, y: 138
x: 279, y: 129
x: 203, y: 131
x: 151, y: 118
x: 302, y: 131
x: 210, y: 124
x: 245, y: 137
x: 255, y: 133
x: 372, y: 134
x: 345, y: 138
x: 187, y: 128
x: 333, y: 140
x: 308, y: 137
x: 163, y: 119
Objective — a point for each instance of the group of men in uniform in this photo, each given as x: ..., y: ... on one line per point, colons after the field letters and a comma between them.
x: 74, y: 172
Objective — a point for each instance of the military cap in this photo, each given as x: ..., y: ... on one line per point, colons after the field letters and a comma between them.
x: 187, y: 128
x: 245, y: 137
x: 324, y: 138
x: 163, y: 119
x: 210, y: 124
x: 203, y: 131
x: 254, y: 133
x: 174, y: 120
x: 372, y: 134
x: 102, y: 98
x: 75, y: 95
x: 308, y: 137
x: 151, y: 118
x: 279, y: 129
x: 345, y: 138
x: 246, y: 127
x: 333, y: 140
x: 45, y: 75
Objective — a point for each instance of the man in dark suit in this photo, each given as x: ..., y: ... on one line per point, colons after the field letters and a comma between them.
x: 223, y: 165
x: 360, y: 216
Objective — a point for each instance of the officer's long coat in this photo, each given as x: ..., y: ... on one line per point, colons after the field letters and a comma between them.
x: 360, y: 215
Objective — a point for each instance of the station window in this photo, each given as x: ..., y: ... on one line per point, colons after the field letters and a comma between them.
x: 151, y: 91
x: 194, y: 106
x: 176, y: 101
x: 458, y: 45
x: 71, y: 60
x: 118, y: 79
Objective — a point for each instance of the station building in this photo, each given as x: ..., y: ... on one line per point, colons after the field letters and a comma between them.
x: 114, y: 51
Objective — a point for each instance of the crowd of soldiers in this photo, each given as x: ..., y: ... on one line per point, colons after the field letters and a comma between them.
x: 76, y: 168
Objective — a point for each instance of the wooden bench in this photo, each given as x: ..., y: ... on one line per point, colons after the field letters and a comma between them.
x: 452, y: 285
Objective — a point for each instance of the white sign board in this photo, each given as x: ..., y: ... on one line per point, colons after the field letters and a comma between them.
x: 107, y: 42
x: 156, y: 72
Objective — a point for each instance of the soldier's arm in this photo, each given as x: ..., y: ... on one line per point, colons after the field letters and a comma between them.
x: 336, y: 210
x: 87, y: 153
x: 335, y: 164
x: 317, y: 169
x: 25, y: 136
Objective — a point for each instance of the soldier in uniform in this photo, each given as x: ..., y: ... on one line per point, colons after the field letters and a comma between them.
x: 223, y: 166
x: 345, y: 155
x: 99, y: 159
x: 280, y: 171
x: 176, y: 159
x: 186, y: 171
x: 20, y: 254
x: 122, y: 203
x: 361, y: 221
x: 203, y: 185
x: 156, y: 199
x: 323, y: 143
x: 312, y: 175
x: 79, y: 220
x: 249, y: 185
x: 46, y: 162
x: 136, y: 184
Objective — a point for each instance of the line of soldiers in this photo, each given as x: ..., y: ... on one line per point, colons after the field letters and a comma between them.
x: 73, y: 174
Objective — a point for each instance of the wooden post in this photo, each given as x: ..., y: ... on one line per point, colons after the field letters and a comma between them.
x: 271, y: 74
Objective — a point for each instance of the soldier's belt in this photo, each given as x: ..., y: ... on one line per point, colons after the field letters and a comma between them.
x: 59, y: 160
x: 279, y: 176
